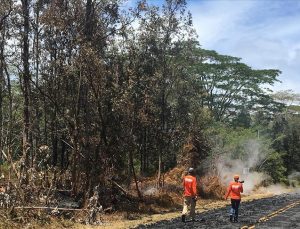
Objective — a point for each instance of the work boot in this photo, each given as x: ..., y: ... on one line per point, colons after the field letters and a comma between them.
x: 231, y: 218
x: 235, y: 219
x: 183, y: 218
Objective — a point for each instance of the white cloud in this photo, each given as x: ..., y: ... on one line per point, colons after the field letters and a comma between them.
x: 263, y: 33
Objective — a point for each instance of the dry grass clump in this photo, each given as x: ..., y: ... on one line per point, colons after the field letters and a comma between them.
x: 212, y: 187
x: 175, y: 175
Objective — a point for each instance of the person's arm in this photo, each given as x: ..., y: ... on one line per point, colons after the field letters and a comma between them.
x: 194, y: 186
x: 228, y: 192
x: 242, y: 188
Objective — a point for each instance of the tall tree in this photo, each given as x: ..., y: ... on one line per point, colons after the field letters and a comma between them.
x: 25, y: 77
x: 230, y: 86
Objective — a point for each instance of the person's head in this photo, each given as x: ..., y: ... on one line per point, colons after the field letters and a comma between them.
x: 236, y: 178
x: 191, y: 171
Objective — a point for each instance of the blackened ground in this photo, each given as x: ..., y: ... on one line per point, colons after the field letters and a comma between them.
x: 288, y: 219
x: 250, y: 213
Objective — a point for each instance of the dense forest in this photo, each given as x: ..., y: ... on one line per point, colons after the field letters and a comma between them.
x: 93, y: 92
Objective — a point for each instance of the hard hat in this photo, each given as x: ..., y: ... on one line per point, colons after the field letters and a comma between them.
x: 236, y: 176
x: 191, y: 170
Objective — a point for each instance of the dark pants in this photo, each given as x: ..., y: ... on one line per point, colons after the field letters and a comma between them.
x: 234, y: 211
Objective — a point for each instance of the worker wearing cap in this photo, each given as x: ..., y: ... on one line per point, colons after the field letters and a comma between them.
x: 235, y: 189
x: 190, y: 194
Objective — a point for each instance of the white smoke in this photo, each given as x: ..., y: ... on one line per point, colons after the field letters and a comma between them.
x: 294, y: 176
x: 150, y: 191
x: 274, y: 189
x: 294, y: 179
x: 251, y: 156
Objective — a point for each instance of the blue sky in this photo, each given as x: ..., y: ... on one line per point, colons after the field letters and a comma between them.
x: 264, y: 33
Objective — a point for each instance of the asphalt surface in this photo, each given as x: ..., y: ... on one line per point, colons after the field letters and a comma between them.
x: 281, y: 211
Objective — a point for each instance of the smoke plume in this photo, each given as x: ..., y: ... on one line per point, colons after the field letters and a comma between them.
x: 250, y: 157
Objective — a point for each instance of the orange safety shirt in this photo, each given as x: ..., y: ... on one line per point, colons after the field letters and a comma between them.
x: 190, y: 186
x: 234, y: 190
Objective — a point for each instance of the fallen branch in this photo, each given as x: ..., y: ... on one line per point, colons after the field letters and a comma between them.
x: 52, y: 208
x: 119, y: 187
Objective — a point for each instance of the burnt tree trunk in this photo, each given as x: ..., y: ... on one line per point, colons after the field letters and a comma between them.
x: 25, y: 79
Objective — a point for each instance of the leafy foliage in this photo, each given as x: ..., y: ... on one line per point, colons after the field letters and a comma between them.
x: 275, y: 167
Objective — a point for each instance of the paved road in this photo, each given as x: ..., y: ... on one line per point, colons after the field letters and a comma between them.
x: 282, y: 211
x: 288, y: 219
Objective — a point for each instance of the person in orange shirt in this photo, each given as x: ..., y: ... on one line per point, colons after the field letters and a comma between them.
x: 235, y: 189
x: 190, y: 194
